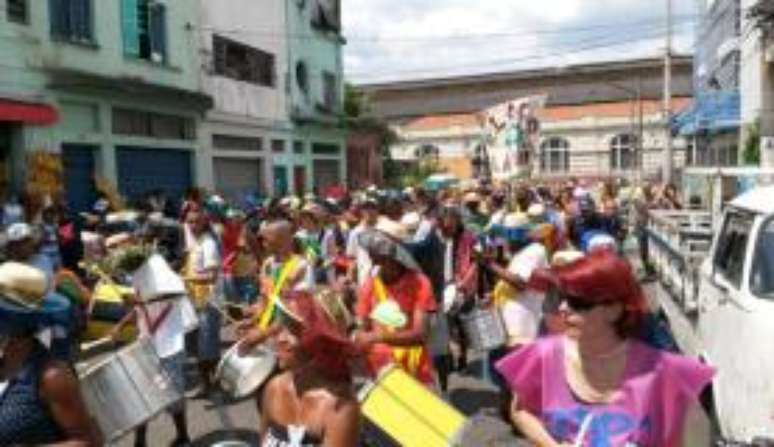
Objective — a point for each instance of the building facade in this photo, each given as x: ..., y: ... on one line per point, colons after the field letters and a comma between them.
x: 712, y: 121
x: 121, y: 79
x: 316, y: 87
x: 275, y: 74
x: 599, y: 120
x: 757, y: 78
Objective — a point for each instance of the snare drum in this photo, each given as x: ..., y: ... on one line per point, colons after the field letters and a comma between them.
x: 241, y: 376
x: 401, y: 411
x: 484, y: 328
x: 128, y: 389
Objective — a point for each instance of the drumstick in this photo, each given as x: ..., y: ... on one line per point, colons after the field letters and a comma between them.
x: 96, y: 344
x: 584, y: 428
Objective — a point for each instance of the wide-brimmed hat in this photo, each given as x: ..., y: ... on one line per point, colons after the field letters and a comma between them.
x: 26, y: 303
x: 471, y: 197
x: 23, y: 285
x: 388, y: 239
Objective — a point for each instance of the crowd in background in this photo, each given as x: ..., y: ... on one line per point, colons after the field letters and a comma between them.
x: 399, y: 271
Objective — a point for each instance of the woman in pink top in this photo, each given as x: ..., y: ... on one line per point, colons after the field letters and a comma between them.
x: 596, y: 385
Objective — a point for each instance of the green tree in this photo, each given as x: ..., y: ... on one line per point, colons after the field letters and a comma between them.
x: 752, y: 144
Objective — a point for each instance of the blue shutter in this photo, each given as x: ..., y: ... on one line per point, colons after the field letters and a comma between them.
x: 130, y: 27
x: 158, y: 30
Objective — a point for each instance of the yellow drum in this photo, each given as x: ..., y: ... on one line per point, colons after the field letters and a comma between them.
x: 405, y: 413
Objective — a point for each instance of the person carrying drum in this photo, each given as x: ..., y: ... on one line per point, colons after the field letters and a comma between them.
x: 282, y: 272
x: 393, y: 305
x: 40, y: 398
x: 311, y: 402
x: 161, y: 320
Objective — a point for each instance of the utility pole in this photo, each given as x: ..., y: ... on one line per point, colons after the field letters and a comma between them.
x: 668, y: 167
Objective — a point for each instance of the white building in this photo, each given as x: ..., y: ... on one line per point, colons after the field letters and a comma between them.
x: 255, y: 139
x: 600, y: 120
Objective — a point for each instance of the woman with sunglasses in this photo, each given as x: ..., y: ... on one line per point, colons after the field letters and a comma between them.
x: 311, y: 403
x: 596, y: 385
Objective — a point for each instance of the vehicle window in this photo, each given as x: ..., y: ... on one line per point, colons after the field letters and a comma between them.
x: 729, y: 258
x: 762, y: 278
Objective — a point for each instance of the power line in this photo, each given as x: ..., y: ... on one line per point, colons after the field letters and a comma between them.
x: 449, y: 37
x: 597, y: 45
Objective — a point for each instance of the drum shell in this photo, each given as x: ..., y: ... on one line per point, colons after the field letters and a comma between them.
x: 128, y: 389
x: 240, y: 376
x: 401, y: 411
x: 484, y: 329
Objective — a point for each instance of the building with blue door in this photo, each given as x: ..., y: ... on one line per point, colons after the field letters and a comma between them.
x: 275, y: 74
x: 121, y: 76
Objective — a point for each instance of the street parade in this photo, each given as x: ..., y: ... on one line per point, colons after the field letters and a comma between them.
x: 312, y: 223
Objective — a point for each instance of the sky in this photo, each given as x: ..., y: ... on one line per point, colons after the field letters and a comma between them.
x: 412, y: 39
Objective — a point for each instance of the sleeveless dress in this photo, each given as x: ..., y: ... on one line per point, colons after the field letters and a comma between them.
x: 24, y: 417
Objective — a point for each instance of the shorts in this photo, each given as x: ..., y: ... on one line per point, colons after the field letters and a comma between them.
x: 174, y: 366
x: 208, y: 336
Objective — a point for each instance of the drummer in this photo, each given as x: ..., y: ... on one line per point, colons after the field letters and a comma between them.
x: 40, y: 398
x: 311, y: 403
x: 393, y: 305
x: 282, y: 272
x: 160, y: 319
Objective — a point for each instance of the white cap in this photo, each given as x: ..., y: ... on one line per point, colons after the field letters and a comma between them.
x: 18, y: 232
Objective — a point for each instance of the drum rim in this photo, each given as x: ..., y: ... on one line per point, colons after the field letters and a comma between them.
x: 141, y: 341
x: 268, y: 354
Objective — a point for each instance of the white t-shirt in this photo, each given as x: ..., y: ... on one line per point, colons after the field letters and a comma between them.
x: 206, y: 256
x: 522, y: 315
x: 356, y: 251
x: 169, y: 338
x: 448, y: 261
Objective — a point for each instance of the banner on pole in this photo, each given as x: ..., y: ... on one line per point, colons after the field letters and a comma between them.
x: 512, y: 131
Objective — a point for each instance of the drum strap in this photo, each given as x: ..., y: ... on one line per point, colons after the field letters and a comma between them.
x: 279, y: 282
x: 409, y: 357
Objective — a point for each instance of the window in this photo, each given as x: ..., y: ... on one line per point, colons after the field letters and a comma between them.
x: 144, y: 29
x: 330, y: 92
x: 17, y: 11
x: 622, y: 152
x: 762, y: 277
x: 298, y: 147
x: 277, y: 146
x: 140, y: 123
x: 243, y: 63
x: 302, y: 77
x: 71, y: 20
x: 325, y: 149
x: 733, y: 240
x: 235, y: 143
x: 555, y: 155
x: 326, y: 15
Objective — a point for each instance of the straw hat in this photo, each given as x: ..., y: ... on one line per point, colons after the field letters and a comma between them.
x: 19, y: 231
x: 388, y: 239
x: 23, y: 285
x: 411, y: 221
x: 117, y: 239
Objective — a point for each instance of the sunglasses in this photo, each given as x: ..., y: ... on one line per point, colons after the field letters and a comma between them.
x: 575, y: 303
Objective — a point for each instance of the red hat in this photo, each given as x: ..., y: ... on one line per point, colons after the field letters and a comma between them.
x: 321, y: 339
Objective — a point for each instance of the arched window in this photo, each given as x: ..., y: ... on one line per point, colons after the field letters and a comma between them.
x: 555, y: 155
x: 623, y: 150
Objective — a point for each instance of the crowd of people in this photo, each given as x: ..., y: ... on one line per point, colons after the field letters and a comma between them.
x: 341, y: 288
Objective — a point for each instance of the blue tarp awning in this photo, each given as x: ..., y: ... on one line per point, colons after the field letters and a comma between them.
x: 714, y: 111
